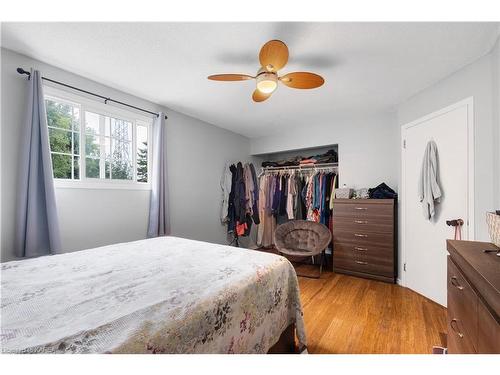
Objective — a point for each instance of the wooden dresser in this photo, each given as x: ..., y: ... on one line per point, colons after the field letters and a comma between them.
x: 365, y: 238
x: 473, y: 298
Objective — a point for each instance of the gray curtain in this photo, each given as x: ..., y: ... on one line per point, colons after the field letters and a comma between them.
x: 159, y: 223
x: 37, y: 225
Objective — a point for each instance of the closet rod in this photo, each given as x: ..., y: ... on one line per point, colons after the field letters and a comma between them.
x: 106, y: 99
x: 303, y: 167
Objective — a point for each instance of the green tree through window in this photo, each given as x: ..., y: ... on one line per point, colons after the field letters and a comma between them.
x: 63, y: 122
x: 142, y: 163
x: 108, y: 140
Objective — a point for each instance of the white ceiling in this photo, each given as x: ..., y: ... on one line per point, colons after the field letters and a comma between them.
x: 368, y: 67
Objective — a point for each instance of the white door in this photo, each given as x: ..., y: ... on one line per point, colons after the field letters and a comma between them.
x: 423, y: 240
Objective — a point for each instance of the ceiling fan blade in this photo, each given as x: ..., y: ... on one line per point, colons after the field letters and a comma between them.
x: 273, y: 55
x: 230, y: 77
x: 259, y: 96
x: 302, y: 80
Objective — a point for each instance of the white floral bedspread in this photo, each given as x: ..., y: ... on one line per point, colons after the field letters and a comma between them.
x: 161, y: 295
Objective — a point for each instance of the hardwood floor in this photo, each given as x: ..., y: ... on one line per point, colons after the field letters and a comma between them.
x: 345, y: 314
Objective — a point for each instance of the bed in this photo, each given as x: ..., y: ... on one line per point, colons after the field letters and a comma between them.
x: 161, y: 295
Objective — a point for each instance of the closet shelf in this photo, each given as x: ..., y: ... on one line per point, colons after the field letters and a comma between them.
x: 303, y: 167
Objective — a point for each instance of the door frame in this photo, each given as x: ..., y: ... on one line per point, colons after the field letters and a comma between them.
x: 469, y: 104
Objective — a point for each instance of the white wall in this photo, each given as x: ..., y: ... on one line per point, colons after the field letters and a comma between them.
x: 474, y: 80
x: 197, y: 152
x: 496, y: 118
x: 368, y: 147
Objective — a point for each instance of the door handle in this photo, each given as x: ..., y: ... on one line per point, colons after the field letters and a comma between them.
x: 361, y: 221
x: 455, y: 223
x: 360, y: 235
x: 360, y: 262
x: 361, y: 208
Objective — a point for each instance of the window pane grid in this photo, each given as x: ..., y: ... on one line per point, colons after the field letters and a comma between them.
x: 105, y: 147
x: 63, y: 122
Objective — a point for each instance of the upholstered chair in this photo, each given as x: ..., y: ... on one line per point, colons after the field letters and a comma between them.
x: 302, y: 238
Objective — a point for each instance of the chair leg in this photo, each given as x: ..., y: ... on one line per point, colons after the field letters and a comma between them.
x: 321, y: 256
x: 320, y: 263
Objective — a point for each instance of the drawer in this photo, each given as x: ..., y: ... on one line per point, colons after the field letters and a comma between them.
x: 458, y: 340
x: 363, y: 209
x: 365, y: 224
x: 488, y: 340
x: 363, y: 262
x: 376, y: 252
x: 362, y: 237
x: 462, y: 305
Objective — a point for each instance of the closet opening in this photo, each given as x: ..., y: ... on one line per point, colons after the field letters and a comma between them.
x: 297, y: 185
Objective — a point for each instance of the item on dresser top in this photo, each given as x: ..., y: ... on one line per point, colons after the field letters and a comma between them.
x: 361, y: 194
x: 303, y: 194
x: 343, y: 193
x: 493, y: 222
x: 382, y: 191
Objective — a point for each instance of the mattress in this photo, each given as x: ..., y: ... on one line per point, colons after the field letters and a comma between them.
x: 161, y: 295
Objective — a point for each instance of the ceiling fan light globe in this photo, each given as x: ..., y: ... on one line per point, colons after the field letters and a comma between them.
x: 267, y: 86
x: 267, y: 82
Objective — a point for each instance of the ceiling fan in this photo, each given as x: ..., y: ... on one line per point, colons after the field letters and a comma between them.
x: 273, y: 56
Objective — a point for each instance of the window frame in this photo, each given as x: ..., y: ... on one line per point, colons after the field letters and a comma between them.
x: 91, y: 105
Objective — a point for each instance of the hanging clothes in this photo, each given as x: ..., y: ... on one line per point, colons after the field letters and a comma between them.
x: 265, y: 233
x: 225, y: 185
x: 231, y: 210
x: 249, y: 188
x: 255, y: 206
x: 240, y: 198
x: 300, y: 208
x: 291, y: 195
x: 239, y: 195
x: 429, y: 191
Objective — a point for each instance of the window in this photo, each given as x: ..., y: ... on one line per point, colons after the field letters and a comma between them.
x: 93, y: 143
x: 63, y: 120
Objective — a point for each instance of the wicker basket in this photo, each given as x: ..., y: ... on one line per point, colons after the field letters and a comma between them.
x: 493, y: 222
x: 343, y: 193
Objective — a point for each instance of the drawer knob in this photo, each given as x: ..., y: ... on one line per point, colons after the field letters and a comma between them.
x: 457, y: 331
x: 360, y: 248
x: 361, y: 208
x: 360, y: 235
x: 361, y: 221
x: 455, y: 283
x: 361, y: 262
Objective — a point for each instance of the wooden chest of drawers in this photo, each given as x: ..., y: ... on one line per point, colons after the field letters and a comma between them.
x: 364, y: 238
x: 473, y: 298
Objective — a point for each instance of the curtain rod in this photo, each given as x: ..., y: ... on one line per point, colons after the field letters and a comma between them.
x: 106, y: 99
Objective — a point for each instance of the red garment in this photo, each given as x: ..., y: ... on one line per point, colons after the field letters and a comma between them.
x: 241, y: 228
